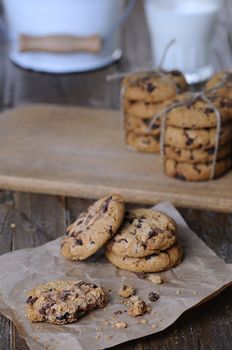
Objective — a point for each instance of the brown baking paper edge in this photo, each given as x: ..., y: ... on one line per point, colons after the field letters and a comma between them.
x: 200, y: 276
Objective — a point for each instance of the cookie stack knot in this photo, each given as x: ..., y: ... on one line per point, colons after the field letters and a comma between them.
x: 196, y: 136
x: 145, y: 242
x: 143, y: 95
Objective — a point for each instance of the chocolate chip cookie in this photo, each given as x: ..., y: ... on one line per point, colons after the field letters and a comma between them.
x: 199, y: 155
x: 143, y: 143
x: 196, y: 113
x: 93, y: 228
x: 196, y: 138
x: 153, y: 263
x: 196, y: 172
x: 141, y: 126
x: 61, y: 302
x: 142, y: 233
x: 149, y: 87
x: 144, y: 110
x: 224, y: 78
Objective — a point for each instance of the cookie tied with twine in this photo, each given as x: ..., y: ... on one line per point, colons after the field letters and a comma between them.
x: 210, y: 100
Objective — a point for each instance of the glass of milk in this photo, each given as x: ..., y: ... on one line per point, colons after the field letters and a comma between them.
x: 190, y: 25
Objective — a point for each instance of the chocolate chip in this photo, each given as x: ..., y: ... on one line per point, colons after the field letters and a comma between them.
x: 42, y: 311
x: 64, y: 295
x: 154, y: 232
x: 152, y: 296
x: 210, y: 150
x: 180, y: 177
x: 116, y: 313
x: 150, y: 87
x: 189, y: 141
x: 63, y: 317
x: 106, y: 204
x: 31, y: 300
x: 79, y: 242
x: 209, y: 110
x: 148, y: 257
x: 139, y: 225
x: 141, y: 275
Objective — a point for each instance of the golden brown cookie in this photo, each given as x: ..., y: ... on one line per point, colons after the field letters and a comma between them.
x: 144, y: 110
x: 197, y: 113
x: 143, y: 232
x: 148, y: 87
x: 61, y: 302
x: 141, y: 126
x: 93, y: 228
x: 153, y: 263
x: 143, y: 143
x: 199, y: 155
x: 222, y: 81
x: 197, y: 171
x: 196, y: 138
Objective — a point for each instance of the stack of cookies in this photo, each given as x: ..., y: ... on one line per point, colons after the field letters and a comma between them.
x: 142, y: 240
x: 145, y: 242
x: 144, y: 95
x: 190, y: 136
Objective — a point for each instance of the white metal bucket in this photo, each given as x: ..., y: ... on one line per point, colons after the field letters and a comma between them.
x: 65, y: 17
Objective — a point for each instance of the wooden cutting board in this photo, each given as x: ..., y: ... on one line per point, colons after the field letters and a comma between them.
x: 80, y: 152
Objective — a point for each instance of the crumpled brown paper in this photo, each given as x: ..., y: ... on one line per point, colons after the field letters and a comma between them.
x: 201, y: 275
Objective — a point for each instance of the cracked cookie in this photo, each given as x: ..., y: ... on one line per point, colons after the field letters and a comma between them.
x: 153, y: 263
x: 196, y: 138
x: 143, y: 143
x: 143, y: 232
x: 197, y: 171
x: 199, y: 155
x: 93, y: 228
x: 60, y: 302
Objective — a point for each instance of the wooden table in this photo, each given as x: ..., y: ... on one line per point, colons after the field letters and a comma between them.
x: 37, y: 218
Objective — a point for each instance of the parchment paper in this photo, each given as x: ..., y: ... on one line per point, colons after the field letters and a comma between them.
x: 201, y: 275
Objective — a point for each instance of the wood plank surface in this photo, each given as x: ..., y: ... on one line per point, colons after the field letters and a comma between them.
x: 80, y: 152
x: 206, y: 327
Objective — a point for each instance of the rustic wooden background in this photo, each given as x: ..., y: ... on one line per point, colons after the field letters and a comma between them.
x: 40, y: 218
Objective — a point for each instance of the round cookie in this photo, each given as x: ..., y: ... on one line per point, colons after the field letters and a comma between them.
x: 178, y: 78
x: 143, y: 143
x: 143, y: 232
x: 153, y: 263
x: 197, y: 113
x: 196, y: 138
x: 197, y: 171
x: 141, y: 126
x: 219, y: 78
x: 60, y: 302
x: 144, y: 110
x: 93, y: 228
x: 197, y: 155
x: 148, y: 87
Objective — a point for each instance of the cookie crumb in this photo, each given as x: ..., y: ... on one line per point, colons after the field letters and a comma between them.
x: 12, y: 225
x: 177, y: 292
x: 152, y: 296
x: 126, y: 291
x: 137, y: 308
x: 194, y: 292
x: 120, y: 325
x: 119, y: 312
x: 141, y: 275
x: 156, y: 279
x: 154, y: 326
x: 97, y: 336
x: 143, y: 321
